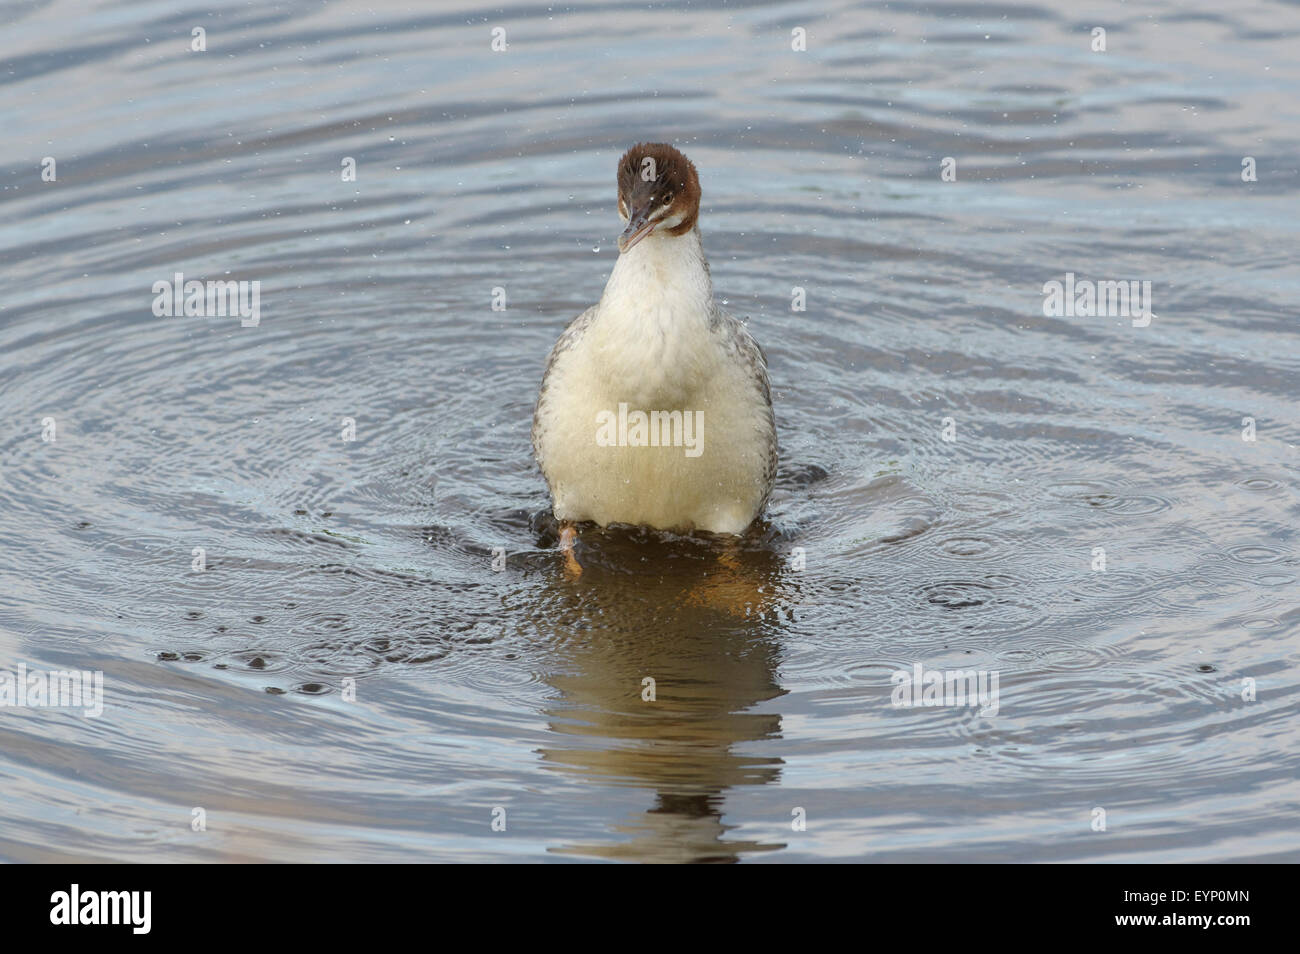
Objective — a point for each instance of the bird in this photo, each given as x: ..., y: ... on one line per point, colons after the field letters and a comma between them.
x: 655, y: 408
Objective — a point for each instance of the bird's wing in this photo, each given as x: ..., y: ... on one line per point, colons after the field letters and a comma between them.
x: 572, y: 333
x: 740, y: 342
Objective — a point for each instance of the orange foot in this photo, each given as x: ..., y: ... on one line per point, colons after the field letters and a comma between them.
x: 568, y: 537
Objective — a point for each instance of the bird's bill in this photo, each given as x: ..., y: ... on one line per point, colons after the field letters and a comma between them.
x: 637, y: 228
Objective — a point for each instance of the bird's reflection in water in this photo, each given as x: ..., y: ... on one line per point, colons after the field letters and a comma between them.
x: 665, y: 650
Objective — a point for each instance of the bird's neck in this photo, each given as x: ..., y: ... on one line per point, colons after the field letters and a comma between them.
x: 661, y: 282
x: 655, y: 314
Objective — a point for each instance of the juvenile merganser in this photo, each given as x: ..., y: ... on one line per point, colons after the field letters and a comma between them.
x: 655, y: 408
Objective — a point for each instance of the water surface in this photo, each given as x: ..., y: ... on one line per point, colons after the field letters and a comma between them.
x: 368, y: 563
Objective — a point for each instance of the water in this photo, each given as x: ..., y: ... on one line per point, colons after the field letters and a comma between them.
x: 370, y: 560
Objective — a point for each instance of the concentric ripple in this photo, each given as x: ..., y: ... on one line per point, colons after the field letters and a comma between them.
x: 312, y: 557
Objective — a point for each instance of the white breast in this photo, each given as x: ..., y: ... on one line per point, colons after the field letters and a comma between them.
x: 656, y: 344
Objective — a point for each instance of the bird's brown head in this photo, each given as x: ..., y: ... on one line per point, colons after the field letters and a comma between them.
x: 658, y: 191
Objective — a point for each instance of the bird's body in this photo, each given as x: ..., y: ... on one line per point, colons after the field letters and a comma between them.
x: 655, y: 408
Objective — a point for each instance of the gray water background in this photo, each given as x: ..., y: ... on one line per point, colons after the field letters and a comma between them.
x: 371, y: 560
